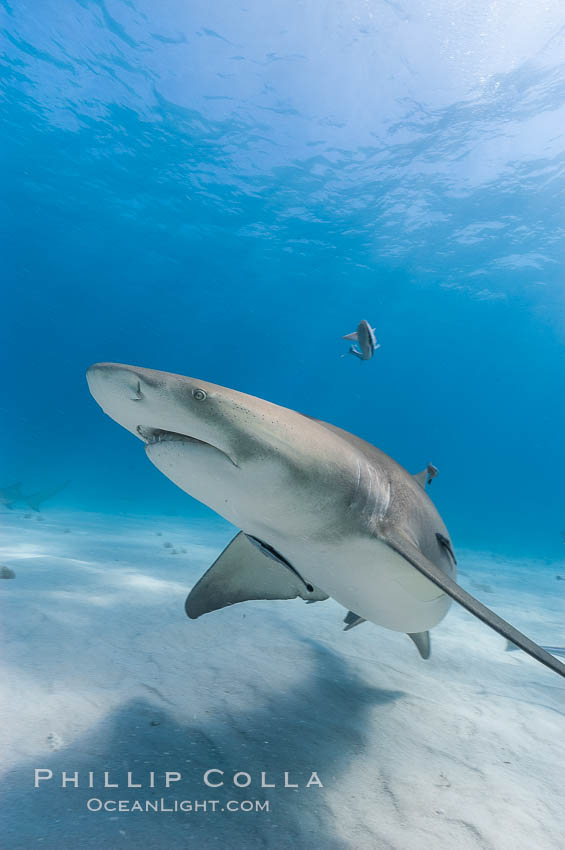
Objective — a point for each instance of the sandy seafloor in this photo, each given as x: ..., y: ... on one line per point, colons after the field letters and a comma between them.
x: 466, y: 750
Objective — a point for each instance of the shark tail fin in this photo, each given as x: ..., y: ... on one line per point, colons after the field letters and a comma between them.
x: 33, y: 503
x: 401, y: 544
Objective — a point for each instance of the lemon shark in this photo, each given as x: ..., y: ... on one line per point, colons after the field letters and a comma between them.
x: 11, y: 495
x: 322, y: 513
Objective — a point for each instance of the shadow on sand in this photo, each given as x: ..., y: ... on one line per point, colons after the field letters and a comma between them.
x: 316, y: 727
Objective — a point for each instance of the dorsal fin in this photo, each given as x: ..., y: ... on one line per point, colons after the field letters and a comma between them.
x: 426, y: 475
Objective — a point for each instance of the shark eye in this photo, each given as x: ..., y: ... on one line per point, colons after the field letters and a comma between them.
x: 199, y: 395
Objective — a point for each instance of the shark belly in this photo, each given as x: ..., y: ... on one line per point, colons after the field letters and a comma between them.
x: 376, y: 582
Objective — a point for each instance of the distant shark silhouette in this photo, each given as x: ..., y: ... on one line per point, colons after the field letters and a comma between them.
x: 12, y: 495
x: 323, y: 513
x: 34, y: 500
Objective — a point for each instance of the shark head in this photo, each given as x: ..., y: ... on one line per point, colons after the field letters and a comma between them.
x: 238, y: 454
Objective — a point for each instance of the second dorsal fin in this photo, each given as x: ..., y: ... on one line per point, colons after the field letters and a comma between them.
x: 351, y: 620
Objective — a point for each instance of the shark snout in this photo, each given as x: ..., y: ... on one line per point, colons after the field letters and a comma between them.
x: 106, y: 379
x: 156, y: 406
x: 122, y: 392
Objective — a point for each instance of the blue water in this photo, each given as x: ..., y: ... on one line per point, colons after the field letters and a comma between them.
x: 223, y: 190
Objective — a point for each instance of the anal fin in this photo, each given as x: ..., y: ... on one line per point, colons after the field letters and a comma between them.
x: 423, y: 643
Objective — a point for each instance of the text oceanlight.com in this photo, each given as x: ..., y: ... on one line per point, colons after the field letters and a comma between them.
x: 95, y: 804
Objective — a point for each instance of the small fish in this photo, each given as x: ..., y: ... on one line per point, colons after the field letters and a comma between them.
x: 365, y: 336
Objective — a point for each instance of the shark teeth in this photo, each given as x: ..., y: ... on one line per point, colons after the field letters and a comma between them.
x: 152, y: 436
x: 156, y: 435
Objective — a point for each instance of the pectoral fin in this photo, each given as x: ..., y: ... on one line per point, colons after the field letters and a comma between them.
x: 412, y: 554
x: 351, y: 336
x: 242, y: 572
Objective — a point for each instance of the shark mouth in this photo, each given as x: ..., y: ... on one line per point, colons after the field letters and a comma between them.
x: 152, y: 436
x: 158, y: 435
